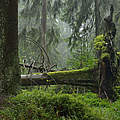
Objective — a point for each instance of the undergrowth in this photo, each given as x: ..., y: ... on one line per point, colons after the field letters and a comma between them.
x: 47, y: 105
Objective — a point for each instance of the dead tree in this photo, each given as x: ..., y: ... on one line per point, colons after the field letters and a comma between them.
x: 108, y: 67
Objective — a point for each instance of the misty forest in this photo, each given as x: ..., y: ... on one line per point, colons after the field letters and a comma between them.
x: 59, y: 60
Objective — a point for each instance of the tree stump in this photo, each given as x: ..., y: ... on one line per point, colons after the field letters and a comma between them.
x: 107, y: 59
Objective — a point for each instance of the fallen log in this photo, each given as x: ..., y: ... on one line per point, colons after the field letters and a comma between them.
x: 81, y: 77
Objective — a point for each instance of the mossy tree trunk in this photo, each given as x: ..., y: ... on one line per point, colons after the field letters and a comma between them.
x: 108, y: 60
x: 108, y: 76
x: 9, y: 62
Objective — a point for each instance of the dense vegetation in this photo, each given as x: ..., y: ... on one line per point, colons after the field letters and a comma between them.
x: 49, y: 105
x: 61, y: 35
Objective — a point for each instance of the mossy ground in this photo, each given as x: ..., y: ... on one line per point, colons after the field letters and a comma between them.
x: 47, y: 105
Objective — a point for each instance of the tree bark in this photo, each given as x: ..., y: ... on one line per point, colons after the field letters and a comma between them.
x: 97, y: 17
x: 9, y: 62
x: 108, y: 64
x: 43, y: 21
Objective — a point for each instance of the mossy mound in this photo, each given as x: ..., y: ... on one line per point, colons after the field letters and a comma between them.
x: 37, y: 105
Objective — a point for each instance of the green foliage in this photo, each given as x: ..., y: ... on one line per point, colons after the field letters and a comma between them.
x: 101, y: 47
x: 39, y: 105
x: 105, y: 109
x: 78, y: 61
x: 92, y: 100
x: 117, y: 90
x: 118, y: 53
x: 99, y: 43
x: 105, y: 55
x: 46, y: 105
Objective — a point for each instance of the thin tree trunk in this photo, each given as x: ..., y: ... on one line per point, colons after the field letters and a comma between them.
x: 9, y: 62
x: 97, y: 17
x: 43, y: 24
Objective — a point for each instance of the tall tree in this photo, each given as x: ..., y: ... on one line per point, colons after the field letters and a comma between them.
x: 9, y: 62
x: 97, y: 17
x: 43, y: 21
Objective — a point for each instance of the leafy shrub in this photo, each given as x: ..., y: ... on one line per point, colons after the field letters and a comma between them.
x: 78, y: 61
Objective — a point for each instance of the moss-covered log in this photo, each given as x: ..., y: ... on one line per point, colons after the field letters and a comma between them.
x: 81, y: 77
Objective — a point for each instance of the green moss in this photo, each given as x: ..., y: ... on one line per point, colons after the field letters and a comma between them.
x: 46, y: 105
x: 43, y: 105
x: 118, y: 53
x: 105, y: 56
x: 81, y: 74
x: 99, y: 43
x: 71, y: 77
x: 70, y: 71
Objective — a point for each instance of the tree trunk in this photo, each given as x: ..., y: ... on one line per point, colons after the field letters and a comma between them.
x: 97, y: 17
x: 43, y: 21
x: 81, y: 77
x: 108, y: 60
x: 9, y: 62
